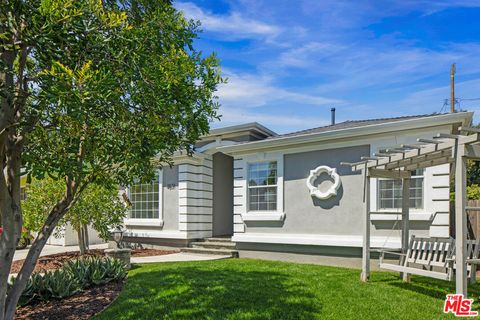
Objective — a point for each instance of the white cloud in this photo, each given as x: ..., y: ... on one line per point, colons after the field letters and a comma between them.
x: 232, y: 26
x: 302, y: 56
x: 249, y: 91
x: 276, y: 122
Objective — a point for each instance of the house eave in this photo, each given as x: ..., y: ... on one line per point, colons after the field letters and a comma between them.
x: 246, y: 127
x: 464, y: 118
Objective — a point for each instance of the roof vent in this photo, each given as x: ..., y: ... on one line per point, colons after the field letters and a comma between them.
x: 333, y: 116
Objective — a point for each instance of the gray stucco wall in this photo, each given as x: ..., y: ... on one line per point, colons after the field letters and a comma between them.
x: 222, y: 194
x: 340, y: 215
x: 170, y: 198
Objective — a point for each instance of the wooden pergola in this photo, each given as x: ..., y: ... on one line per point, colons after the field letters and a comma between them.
x: 397, y: 163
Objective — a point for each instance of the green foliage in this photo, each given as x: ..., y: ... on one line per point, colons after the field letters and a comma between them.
x: 98, y: 206
x: 473, y: 192
x: 117, y: 84
x: 473, y: 172
x: 71, y: 278
x: 92, y: 271
x: 56, y: 284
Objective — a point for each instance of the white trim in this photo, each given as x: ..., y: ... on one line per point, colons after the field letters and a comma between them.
x: 144, y: 222
x: 251, y: 126
x: 264, y: 157
x: 165, y: 234
x: 421, y: 216
x: 212, y: 147
x: 157, y: 222
x: 263, y: 216
x: 333, y: 240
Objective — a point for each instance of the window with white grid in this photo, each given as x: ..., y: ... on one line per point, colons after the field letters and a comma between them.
x: 262, y: 186
x: 145, y: 200
x: 390, y: 192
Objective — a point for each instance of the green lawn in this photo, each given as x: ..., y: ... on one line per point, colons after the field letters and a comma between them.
x: 257, y: 289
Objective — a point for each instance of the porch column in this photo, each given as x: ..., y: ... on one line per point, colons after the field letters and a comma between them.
x: 460, y: 221
x: 405, y: 222
x: 365, y: 276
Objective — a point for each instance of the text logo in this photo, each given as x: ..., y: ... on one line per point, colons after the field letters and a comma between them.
x: 459, y: 306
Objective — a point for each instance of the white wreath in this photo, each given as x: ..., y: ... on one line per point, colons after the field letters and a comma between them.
x: 332, y: 191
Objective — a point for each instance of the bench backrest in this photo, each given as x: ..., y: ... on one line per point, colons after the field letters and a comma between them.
x: 437, y: 252
x: 434, y: 252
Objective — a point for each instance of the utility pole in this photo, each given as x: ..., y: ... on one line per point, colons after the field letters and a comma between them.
x: 452, y: 89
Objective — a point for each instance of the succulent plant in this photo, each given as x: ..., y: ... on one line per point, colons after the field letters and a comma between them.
x: 71, y: 278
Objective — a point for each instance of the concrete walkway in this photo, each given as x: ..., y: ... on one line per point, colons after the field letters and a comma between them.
x: 48, y: 249
x: 174, y: 257
x: 177, y: 257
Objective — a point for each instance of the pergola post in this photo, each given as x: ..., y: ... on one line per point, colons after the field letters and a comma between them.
x: 365, y: 276
x: 460, y: 221
x: 405, y: 222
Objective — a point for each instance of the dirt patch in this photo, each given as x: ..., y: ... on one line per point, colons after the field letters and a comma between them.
x: 55, y: 261
x: 82, y: 305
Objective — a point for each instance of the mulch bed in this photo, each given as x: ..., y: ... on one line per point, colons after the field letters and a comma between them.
x: 55, y: 261
x: 82, y: 305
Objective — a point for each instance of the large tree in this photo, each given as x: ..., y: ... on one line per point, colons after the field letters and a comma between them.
x: 90, y: 92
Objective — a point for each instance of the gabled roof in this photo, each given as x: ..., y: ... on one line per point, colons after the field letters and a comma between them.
x: 350, y: 129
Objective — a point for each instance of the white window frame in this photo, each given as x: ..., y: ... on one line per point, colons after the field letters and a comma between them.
x: 378, y: 200
x: 156, y: 222
x: 274, y: 215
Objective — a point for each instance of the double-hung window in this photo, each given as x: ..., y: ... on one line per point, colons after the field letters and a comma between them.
x: 145, y: 199
x: 262, y: 186
x: 390, y: 192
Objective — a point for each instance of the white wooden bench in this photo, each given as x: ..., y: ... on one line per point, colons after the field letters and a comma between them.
x: 432, y: 257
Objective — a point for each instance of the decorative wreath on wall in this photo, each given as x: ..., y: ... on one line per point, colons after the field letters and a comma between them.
x: 332, y: 191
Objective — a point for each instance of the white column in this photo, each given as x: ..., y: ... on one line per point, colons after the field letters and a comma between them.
x: 405, y: 222
x: 460, y: 221
x: 365, y: 276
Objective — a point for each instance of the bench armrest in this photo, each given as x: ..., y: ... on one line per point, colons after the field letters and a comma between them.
x: 394, y: 253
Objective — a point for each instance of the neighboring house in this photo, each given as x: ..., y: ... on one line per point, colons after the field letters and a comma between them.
x: 62, y: 236
x: 249, y: 183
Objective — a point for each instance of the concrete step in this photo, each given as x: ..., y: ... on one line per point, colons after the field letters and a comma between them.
x: 231, y: 253
x: 218, y: 239
x: 214, y: 245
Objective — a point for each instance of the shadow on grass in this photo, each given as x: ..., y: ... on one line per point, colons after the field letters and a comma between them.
x: 199, y: 293
x: 434, y: 288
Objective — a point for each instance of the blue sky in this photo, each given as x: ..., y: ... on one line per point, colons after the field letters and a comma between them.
x: 288, y: 62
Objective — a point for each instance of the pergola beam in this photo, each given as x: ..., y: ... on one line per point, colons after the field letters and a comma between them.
x: 365, y: 276
x: 429, y: 148
x: 419, y: 159
x: 388, y: 174
x: 460, y: 221
x: 472, y: 152
x: 429, y: 163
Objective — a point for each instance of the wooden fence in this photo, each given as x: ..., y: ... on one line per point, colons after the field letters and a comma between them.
x: 473, y: 219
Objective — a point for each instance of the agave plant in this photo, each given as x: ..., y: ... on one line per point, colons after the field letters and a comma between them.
x: 71, y: 278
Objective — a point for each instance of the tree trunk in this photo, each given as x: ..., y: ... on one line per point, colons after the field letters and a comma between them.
x: 85, y: 237
x: 57, y: 213
x: 81, y: 241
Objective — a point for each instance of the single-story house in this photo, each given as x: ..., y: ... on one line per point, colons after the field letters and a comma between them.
x: 288, y: 194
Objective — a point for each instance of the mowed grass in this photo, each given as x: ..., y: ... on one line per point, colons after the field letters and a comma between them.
x: 258, y: 289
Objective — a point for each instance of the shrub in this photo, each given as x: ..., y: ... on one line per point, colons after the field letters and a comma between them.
x: 56, y: 284
x: 72, y: 278
x: 92, y: 271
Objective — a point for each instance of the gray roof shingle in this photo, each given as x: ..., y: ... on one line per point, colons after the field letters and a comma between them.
x: 351, y: 124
